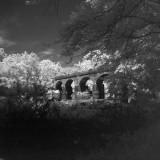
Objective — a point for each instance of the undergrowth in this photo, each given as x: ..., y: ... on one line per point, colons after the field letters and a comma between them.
x: 89, y: 131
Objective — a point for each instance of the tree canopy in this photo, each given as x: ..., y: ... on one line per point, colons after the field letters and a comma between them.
x: 27, y: 69
x: 128, y: 26
x: 128, y: 30
x: 93, y: 61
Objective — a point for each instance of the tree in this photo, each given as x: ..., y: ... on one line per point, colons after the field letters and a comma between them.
x: 20, y: 73
x: 20, y: 67
x: 48, y: 71
x: 127, y: 30
x: 93, y: 61
x: 112, y: 25
x: 27, y: 69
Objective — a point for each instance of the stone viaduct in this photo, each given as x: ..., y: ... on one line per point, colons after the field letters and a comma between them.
x: 63, y: 84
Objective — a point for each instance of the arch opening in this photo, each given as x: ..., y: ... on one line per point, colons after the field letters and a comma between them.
x: 69, y: 89
x: 59, y: 87
x: 100, y: 86
x: 83, y: 85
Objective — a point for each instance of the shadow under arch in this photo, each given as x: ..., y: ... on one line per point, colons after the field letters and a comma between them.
x: 59, y: 87
x: 82, y: 84
x: 100, y: 86
x: 69, y: 89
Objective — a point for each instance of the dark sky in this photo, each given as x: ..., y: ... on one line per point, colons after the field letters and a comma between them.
x: 25, y: 27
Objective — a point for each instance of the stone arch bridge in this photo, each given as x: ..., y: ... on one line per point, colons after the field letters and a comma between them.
x: 65, y: 83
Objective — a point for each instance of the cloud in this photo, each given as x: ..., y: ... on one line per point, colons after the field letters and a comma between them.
x: 47, y: 52
x: 4, y: 42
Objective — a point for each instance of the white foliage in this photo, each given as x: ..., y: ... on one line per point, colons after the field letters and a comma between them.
x: 92, y: 60
x: 73, y: 84
x: 48, y: 70
x: 90, y: 84
x: 20, y: 66
x: 53, y: 94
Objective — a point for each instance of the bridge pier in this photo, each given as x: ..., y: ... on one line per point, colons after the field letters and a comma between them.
x: 64, y: 93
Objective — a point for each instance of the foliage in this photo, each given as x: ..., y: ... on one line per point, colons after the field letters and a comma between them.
x: 93, y: 61
x: 24, y: 73
x: 20, y: 67
x: 113, y: 25
x: 48, y: 71
x: 87, y: 128
x: 126, y: 30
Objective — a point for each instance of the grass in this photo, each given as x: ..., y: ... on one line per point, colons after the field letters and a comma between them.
x: 144, y: 144
x: 81, y: 132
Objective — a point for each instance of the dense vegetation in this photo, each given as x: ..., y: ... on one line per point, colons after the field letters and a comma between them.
x: 81, y: 131
x: 128, y: 31
x: 120, y: 36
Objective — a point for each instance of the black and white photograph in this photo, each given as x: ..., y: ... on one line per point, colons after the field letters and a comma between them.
x: 79, y: 79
